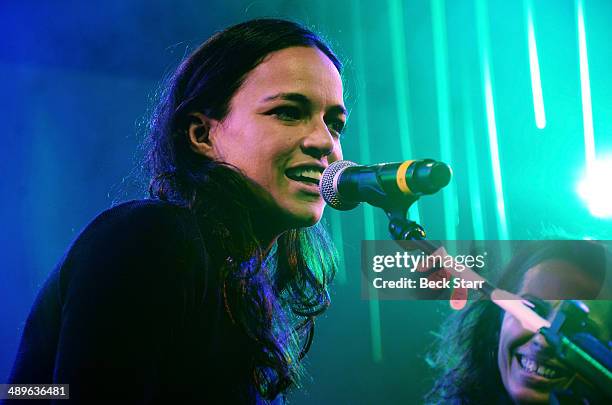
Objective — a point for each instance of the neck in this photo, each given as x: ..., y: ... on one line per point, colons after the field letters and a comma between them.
x: 266, y: 235
x: 268, y: 228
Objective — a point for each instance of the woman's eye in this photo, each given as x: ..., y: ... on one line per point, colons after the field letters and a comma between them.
x: 287, y: 113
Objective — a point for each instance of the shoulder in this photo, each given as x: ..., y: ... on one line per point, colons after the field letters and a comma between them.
x: 139, y: 223
x: 133, y: 293
x: 134, y: 241
x: 142, y: 215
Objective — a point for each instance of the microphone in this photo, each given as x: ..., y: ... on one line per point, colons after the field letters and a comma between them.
x: 344, y: 184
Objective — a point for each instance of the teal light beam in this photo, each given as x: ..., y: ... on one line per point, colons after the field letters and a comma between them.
x: 534, y: 68
x: 472, y: 163
x: 364, y: 155
x: 585, y: 87
x: 400, y: 78
x: 443, y: 104
x: 483, y: 39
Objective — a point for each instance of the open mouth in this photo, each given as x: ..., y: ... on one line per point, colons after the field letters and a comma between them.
x: 305, y: 174
x: 539, y: 368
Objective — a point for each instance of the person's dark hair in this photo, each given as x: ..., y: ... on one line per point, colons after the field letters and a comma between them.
x: 464, y: 357
x: 276, y: 309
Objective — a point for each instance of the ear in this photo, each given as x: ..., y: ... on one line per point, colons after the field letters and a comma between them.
x: 199, y: 135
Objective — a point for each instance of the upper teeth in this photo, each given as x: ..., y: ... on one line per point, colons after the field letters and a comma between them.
x: 533, y: 367
x: 310, y: 173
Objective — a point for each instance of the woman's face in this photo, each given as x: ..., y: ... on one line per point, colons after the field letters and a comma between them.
x: 528, y: 368
x: 282, y: 130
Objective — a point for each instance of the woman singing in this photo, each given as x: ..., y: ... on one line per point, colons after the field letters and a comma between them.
x: 208, y: 290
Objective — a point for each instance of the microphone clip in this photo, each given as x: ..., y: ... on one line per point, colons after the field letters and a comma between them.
x: 402, y: 228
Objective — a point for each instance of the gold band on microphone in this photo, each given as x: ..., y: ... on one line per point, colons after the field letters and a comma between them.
x: 401, y: 177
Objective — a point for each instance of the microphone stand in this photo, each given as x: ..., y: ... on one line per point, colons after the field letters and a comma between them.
x: 402, y: 228
x: 582, y: 352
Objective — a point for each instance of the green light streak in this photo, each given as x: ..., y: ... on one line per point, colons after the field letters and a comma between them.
x: 400, y: 78
x: 364, y: 155
x: 474, y: 185
x: 494, y: 150
x: 444, y: 127
x: 472, y: 164
x: 483, y: 38
x: 534, y: 67
x: 585, y: 87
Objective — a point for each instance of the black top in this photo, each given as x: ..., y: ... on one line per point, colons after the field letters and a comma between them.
x: 134, y: 312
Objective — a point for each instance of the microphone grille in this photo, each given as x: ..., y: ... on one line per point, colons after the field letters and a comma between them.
x: 328, y: 186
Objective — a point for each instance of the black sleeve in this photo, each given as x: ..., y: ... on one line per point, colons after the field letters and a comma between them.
x: 126, y: 287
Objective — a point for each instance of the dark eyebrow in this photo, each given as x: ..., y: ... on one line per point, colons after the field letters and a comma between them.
x: 302, y: 99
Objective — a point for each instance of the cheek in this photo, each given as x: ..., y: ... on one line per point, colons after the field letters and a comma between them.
x: 512, y: 328
x: 266, y: 163
x: 256, y: 155
x: 504, y: 359
x: 505, y: 339
x: 511, y: 337
x: 511, y: 334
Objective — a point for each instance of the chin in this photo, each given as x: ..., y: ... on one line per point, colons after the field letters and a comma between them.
x: 304, y: 216
x: 305, y: 220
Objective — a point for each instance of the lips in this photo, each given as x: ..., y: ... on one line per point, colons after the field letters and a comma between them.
x: 540, y: 368
x: 305, y: 174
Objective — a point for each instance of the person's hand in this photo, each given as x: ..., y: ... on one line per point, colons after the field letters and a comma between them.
x: 459, y: 296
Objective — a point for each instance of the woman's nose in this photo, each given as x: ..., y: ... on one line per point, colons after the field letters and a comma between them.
x: 542, y: 345
x: 319, y: 142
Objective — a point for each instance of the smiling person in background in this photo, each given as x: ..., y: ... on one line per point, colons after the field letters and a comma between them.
x: 485, y: 355
x: 208, y: 290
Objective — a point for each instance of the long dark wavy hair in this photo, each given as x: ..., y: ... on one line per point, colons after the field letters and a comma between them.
x: 464, y: 356
x: 276, y: 308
